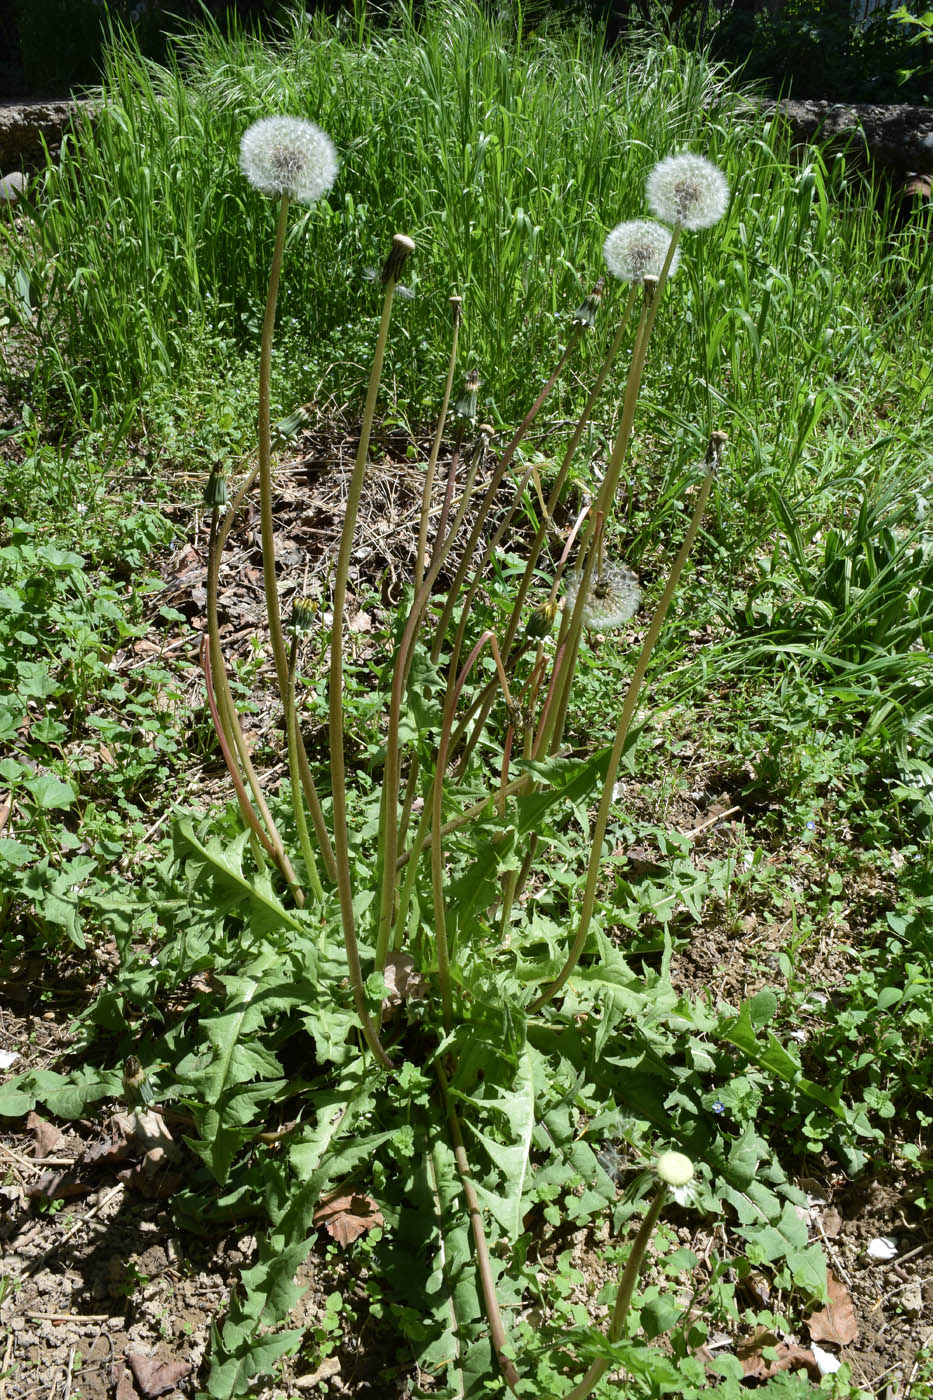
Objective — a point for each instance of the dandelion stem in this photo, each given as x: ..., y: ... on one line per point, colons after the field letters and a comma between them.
x: 338, y: 770
x: 301, y: 825
x: 622, y: 729
x: 456, y: 305
x: 483, y: 1261
x: 265, y: 458
x: 624, y: 1296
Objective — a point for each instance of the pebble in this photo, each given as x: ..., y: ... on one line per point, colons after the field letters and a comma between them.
x: 13, y: 187
x: 912, y: 1299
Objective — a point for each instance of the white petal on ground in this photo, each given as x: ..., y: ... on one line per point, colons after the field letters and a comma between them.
x: 825, y: 1360
x: 882, y: 1247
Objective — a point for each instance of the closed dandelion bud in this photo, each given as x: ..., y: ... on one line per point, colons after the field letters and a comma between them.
x: 287, y: 155
x: 541, y: 620
x: 467, y: 402
x: 215, y: 492
x: 402, y: 249
x: 637, y: 249
x: 585, y: 314
x: 303, y: 617
x: 688, y: 190
x: 612, y: 598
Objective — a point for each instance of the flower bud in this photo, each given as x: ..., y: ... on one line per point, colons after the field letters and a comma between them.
x: 715, y: 449
x: 541, y: 620
x: 303, y: 617
x: 215, y: 492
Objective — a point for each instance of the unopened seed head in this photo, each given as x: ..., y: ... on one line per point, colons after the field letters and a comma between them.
x: 215, y: 492
x: 674, y: 1169
x: 288, y: 155
x: 401, y: 250
x: 637, y: 249
x: 688, y: 190
x: 585, y: 314
x: 466, y: 405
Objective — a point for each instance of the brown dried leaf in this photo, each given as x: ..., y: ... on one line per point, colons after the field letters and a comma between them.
x: 149, y: 1182
x: 345, y: 1218
x: 787, y: 1357
x: 107, y: 1150
x: 151, y: 1136
x: 46, y: 1134
x: 58, y: 1186
x: 126, y: 1390
x: 154, y: 1377
x: 401, y: 978
x: 359, y: 622
x: 836, y: 1322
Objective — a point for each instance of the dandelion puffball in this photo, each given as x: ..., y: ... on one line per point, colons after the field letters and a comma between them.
x: 637, y: 249
x: 287, y: 155
x: 688, y: 190
x: 612, y: 598
x: 674, y: 1169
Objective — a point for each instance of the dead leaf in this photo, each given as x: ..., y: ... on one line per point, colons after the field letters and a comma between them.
x: 328, y: 1368
x: 152, y: 1137
x: 47, y: 1135
x: 154, y: 1377
x: 345, y: 1218
x: 401, y: 979
x: 58, y: 1186
x: 786, y: 1357
x: 109, y: 1149
x: 836, y: 1322
x: 360, y: 622
x: 126, y: 1390
x: 150, y: 1183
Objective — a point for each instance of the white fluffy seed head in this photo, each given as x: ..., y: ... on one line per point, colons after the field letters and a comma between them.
x: 287, y: 155
x: 688, y: 190
x: 674, y: 1169
x: 637, y: 249
x: 611, y: 599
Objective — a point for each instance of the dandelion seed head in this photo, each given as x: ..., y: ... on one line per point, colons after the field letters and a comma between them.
x: 674, y: 1169
x: 287, y: 155
x: 636, y: 249
x: 688, y: 190
x: 612, y: 598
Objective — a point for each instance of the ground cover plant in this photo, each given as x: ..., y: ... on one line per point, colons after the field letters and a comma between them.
x: 423, y: 994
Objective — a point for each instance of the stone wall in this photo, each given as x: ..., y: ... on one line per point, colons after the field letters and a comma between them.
x: 25, y: 127
x: 897, y: 140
